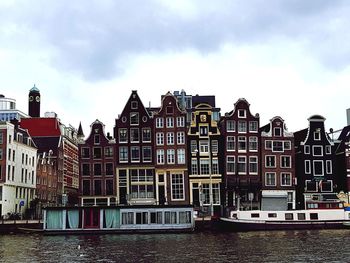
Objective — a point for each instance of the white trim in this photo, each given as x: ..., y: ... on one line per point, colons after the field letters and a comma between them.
x: 313, y: 166
x: 309, y: 163
x: 272, y: 173
x: 313, y: 150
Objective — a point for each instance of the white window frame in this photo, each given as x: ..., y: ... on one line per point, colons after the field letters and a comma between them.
x: 170, y: 140
x: 170, y: 122
x: 230, y: 140
x: 160, y: 156
x: 254, y: 162
x: 277, y: 129
x: 290, y: 178
x: 253, y: 140
x: 329, y: 167
x: 240, y: 115
x: 240, y: 162
x: 204, y: 147
x: 328, y: 149
x: 245, y: 142
x: 180, y: 138
x: 282, y: 163
x: 319, y: 147
x: 182, y: 185
x: 159, y: 122
x: 231, y: 127
x: 266, y: 161
x: 307, y: 163
x: 317, y: 135
x: 274, y: 178
x: 306, y: 149
x: 170, y: 156
x: 313, y: 166
x: 181, y: 156
x: 180, y: 121
x: 230, y: 160
x: 251, y: 128
x: 160, y: 138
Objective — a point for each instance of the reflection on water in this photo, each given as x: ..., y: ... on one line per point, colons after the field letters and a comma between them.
x: 275, y: 246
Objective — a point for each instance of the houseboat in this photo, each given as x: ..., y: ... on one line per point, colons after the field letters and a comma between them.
x: 286, y: 220
x: 117, y: 219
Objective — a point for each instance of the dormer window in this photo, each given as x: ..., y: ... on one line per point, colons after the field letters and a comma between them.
x: 241, y: 113
x: 134, y: 105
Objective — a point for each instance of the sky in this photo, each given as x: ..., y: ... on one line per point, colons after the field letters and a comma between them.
x: 287, y: 58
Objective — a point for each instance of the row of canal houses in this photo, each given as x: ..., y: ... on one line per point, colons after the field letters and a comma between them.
x: 184, y: 152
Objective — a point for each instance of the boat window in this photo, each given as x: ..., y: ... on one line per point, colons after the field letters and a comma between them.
x: 185, y: 217
x: 255, y: 215
x: 289, y: 216
x: 167, y: 217
x: 272, y: 215
x: 141, y: 218
x: 314, y: 216
x: 153, y: 217
x: 301, y: 216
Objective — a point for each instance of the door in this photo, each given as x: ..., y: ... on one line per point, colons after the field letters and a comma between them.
x: 91, y: 218
x: 161, y: 194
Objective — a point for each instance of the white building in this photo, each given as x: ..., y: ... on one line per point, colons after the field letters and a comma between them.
x: 18, y: 158
x: 8, y: 110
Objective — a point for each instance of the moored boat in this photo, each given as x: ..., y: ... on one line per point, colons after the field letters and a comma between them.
x: 285, y: 220
x: 118, y: 219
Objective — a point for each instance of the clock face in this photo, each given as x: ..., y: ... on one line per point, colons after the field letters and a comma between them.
x: 37, y: 98
x: 30, y: 98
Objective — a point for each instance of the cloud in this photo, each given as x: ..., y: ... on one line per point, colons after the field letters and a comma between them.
x: 94, y: 38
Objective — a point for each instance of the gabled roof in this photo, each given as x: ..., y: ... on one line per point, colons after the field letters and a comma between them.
x: 41, y: 127
x: 300, y: 136
x: 135, y: 96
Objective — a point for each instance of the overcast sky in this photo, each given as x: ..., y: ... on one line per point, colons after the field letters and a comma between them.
x: 287, y: 58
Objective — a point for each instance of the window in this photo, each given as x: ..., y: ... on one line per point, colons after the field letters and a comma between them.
x: 268, y: 145
x: 270, y: 161
x: 134, y: 118
x: 96, y: 139
x: 123, y: 135
x: 241, y: 113
x: 253, y: 126
x: 311, y: 186
x: 318, y: 168
x: 288, y: 216
x: 253, y: 143
x: 194, y: 166
x: 170, y: 138
x: 193, y: 146
x: 108, y: 151
x: 214, y: 146
x: 0, y: 154
x: 204, y: 166
x: 242, y: 126
x: 86, y: 169
x: 242, y: 143
x: 253, y: 165
x: 97, y: 153
x: 177, y: 187
x: 328, y: 166
x: 204, y: 147
x: 109, y: 187
x: 169, y: 110
x: 109, y: 168
x: 317, y: 135
x: 134, y: 135
x: 327, y: 186
x: 97, y: 169
x: 180, y: 138
x: 180, y: 121
x: 272, y: 215
x: 307, y: 149
x: 286, y: 162
x: 270, y: 179
x: 97, y: 187
x: 301, y: 216
x: 1, y: 138
x: 203, y: 130
x: 134, y: 105
x: 230, y: 126
x: 328, y: 149
x: 170, y: 156
x: 147, y: 153
x: 286, y: 179
x: 307, y: 167
x: 230, y: 143
x: 85, y: 152
x: 159, y: 123
x: 169, y: 122
x: 146, y: 135
x: 277, y: 146
x: 123, y: 154
x: 215, y: 166
x: 317, y: 150
x: 160, y: 138
x: 160, y: 156
x: 230, y: 168
x: 241, y: 165
x: 277, y: 131
x: 135, y: 153
x: 313, y: 216
x: 86, y: 187
x: 181, y: 158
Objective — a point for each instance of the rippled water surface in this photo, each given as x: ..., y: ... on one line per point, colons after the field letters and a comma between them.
x: 280, y: 246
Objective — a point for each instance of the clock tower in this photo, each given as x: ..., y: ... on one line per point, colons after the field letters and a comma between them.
x: 34, y: 102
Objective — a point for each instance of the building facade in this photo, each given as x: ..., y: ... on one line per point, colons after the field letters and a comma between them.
x: 315, y: 166
x: 277, y: 166
x: 17, y: 169
x: 170, y: 151
x: 133, y: 132
x: 8, y: 110
x: 205, y: 176
x: 97, y: 168
x: 241, y: 157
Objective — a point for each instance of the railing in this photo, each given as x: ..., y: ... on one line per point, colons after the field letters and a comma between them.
x: 20, y: 222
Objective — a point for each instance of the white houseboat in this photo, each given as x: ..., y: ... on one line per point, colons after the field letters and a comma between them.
x: 284, y: 220
x: 117, y: 219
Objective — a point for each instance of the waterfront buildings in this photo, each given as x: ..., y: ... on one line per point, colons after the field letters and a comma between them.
x: 241, y: 156
x: 315, y: 160
x: 17, y: 169
x: 277, y: 166
x: 170, y: 151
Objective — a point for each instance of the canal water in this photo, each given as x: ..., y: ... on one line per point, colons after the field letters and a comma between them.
x: 274, y: 246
